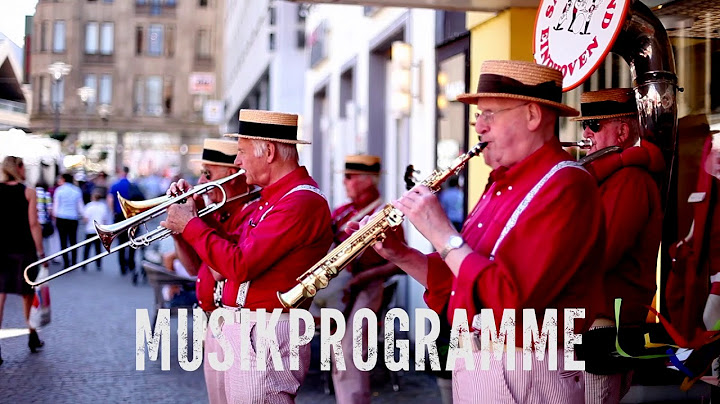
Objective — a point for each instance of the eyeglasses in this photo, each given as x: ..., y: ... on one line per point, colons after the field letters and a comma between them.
x: 593, y: 124
x: 348, y: 176
x: 206, y: 173
x: 488, y: 116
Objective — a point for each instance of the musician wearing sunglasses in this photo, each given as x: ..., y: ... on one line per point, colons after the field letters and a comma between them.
x: 212, y: 289
x: 633, y: 222
x: 360, y: 285
x: 521, y: 247
x: 287, y: 233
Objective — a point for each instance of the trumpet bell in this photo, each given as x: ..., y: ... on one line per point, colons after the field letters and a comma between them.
x: 132, y: 208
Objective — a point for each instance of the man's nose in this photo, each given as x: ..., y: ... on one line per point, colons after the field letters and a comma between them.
x: 587, y: 132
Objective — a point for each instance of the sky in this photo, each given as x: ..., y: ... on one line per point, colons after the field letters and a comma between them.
x: 12, y: 18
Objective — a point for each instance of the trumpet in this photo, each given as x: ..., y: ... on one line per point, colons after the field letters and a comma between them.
x: 141, y: 213
x: 582, y: 143
x: 319, y: 276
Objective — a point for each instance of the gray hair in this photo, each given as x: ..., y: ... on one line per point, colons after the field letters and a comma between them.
x: 634, y: 126
x: 287, y: 152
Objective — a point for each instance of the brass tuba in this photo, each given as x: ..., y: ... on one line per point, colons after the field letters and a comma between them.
x: 645, y: 46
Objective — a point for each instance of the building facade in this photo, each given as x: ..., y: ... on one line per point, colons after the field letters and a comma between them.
x: 136, y: 83
x: 264, y: 57
x: 370, y: 88
x: 14, y: 95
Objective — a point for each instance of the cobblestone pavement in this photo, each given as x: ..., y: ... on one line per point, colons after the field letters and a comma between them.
x: 89, y: 352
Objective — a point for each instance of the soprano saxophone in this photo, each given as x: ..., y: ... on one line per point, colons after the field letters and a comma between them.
x: 319, y: 276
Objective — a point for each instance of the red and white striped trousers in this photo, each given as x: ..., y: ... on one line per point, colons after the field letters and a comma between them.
x: 500, y: 385
x: 257, y: 386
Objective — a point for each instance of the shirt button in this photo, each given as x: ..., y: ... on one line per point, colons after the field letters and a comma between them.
x: 498, y: 193
x: 261, y: 208
x: 510, y: 188
x: 484, y: 196
x: 479, y: 225
x: 266, y: 203
x: 452, y: 293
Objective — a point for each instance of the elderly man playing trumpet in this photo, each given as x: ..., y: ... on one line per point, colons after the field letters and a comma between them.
x: 212, y: 289
x: 286, y: 234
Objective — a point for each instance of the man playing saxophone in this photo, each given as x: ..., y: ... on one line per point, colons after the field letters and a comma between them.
x: 212, y: 289
x: 513, y: 255
x: 367, y: 273
x: 633, y: 221
x: 286, y: 234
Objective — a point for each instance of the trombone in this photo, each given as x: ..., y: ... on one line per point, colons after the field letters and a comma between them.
x: 140, y: 214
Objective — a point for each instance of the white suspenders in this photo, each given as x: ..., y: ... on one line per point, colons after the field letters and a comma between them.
x: 512, y: 221
x: 243, y: 289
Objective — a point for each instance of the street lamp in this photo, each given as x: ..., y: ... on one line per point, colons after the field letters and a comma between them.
x: 58, y: 70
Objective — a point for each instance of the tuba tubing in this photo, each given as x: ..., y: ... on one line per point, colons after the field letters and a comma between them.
x: 319, y: 276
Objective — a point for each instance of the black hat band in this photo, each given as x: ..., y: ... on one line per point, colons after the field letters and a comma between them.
x: 608, y: 108
x: 218, y: 157
x: 268, y: 130
x: 371, y: 169
x: 495, y: 83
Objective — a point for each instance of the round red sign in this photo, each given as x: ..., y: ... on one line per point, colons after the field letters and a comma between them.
x: 574, y: 36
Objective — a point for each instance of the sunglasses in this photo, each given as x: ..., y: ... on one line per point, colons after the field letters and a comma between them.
x: 593, y: 124
x: 348, y: 176
x: 206, y: 173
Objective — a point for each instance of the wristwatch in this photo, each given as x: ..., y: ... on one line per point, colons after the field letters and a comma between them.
x: 452, y: 243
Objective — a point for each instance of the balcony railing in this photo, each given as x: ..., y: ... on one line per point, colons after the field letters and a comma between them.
x: 166, y: 9
x: 14, y: 106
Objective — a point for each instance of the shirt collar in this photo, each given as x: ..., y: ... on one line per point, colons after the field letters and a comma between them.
x: 536, y: 164
x: 279, y: 188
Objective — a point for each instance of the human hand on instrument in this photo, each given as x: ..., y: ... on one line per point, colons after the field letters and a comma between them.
x: 179, y: 187
x: 391, y: 248
x: 178, y: 216
x: 423, y: 209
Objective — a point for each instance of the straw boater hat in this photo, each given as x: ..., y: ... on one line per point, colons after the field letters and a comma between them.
x: 219, y: 152
x: 606, y: 104
x: 268, y: 125
x: 362, y: 164
x: 517, y: 80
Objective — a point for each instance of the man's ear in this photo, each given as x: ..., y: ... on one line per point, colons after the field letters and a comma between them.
x: 623, y: 132
x: 534, y: 115
x: 271, y: 154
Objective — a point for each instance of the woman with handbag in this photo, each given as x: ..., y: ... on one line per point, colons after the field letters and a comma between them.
x: 20, y: 239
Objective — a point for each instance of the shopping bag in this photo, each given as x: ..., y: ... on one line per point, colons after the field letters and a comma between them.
x: 40, y: 310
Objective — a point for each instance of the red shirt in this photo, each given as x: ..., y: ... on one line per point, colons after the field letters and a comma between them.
x: 273, y: 250
x: 633, y: 222
x: 341, y: 216
x: 229, y: 221
x: 552, y: 258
